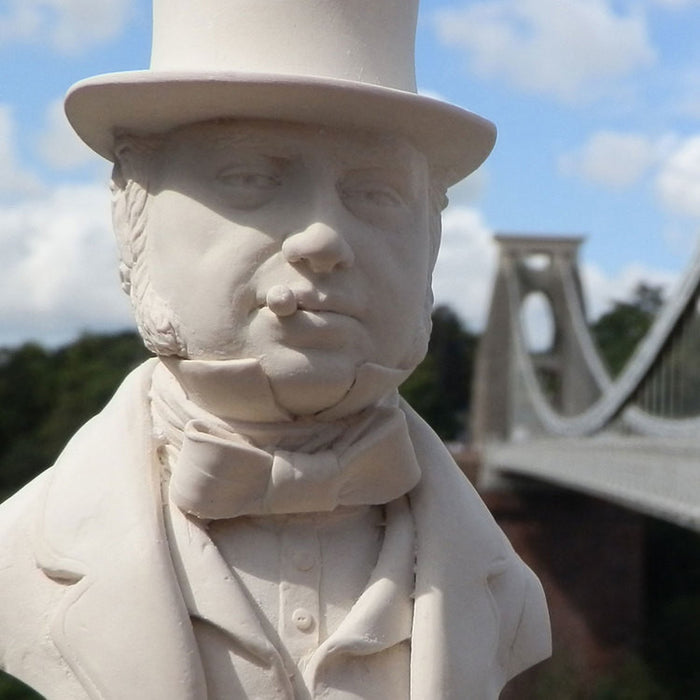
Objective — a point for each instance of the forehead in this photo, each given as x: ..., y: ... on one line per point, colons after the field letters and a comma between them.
x: 353, y: 148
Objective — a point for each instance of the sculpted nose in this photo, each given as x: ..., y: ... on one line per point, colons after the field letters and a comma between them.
x: 320, y: 246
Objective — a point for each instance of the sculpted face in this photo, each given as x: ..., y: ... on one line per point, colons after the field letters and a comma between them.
x: 306, y: 248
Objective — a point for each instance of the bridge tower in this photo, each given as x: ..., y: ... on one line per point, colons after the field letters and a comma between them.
x: 569, y: 371
x: 561, y: 446
x: 587, y: 553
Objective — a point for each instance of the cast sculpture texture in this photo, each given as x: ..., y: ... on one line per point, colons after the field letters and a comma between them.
x: 256, y: 514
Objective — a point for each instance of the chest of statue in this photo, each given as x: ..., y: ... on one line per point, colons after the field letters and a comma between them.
x: 298, y: 577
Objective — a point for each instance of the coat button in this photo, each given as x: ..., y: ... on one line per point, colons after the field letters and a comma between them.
x: 304, y: 560
x: 303, y: 620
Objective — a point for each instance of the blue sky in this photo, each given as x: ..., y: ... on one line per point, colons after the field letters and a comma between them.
x: 597, y: 103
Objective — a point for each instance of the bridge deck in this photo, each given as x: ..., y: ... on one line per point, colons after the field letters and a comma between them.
x: 654, y: 475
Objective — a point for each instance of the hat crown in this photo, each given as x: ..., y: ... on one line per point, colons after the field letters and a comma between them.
x: 365, y: 41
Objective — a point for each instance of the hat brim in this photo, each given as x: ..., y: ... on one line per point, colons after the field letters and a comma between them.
x: 454, y: 140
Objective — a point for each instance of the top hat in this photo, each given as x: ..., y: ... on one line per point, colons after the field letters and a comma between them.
x: 341, y: 63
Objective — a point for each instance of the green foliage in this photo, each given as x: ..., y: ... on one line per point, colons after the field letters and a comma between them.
x: 45, y: 396
x: 440, y: 388
x: 618, y: 331
x: 12, y: 689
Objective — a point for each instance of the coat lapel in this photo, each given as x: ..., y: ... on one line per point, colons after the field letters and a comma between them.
x: 213, y: 593
x: 473, y: 593
x: 122, y: 625
x: 381, y: 617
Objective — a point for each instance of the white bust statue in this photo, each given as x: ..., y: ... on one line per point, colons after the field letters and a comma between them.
x: 256, y: 514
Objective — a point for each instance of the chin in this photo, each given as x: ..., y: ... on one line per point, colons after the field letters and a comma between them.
x: 305, y: 385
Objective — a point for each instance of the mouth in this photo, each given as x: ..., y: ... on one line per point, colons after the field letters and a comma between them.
x: 284, y: 301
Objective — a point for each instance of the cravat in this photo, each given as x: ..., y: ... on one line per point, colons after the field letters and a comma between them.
x: 218, y: 474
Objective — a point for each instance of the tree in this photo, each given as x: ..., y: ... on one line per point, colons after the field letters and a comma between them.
x: 440, y: 387
x: 618, y: 331
x: 45, y: 396
x: 12, y: 689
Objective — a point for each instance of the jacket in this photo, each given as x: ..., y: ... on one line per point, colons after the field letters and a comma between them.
x: 90, y: 606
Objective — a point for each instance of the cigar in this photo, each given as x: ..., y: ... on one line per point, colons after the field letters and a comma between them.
x: 281, y: 301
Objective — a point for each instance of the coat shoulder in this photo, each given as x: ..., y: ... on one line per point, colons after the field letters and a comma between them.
x: 17, y: 518
x: 30, y: 594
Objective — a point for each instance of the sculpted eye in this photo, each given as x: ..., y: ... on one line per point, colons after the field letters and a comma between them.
x: 248, y: 188
x: 375, y: 199
x: 249, y: 179
x: 372, y: 195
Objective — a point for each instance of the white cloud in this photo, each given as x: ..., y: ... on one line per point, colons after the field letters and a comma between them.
x: 68, y: 25
x: 678, y: 181
x: 59, y: 145
x: 470, y: 190
x: 14, y: 179
x: 616, y: 159
x: 567, y: 49
x: 465, y: 267
x: 58, y: 264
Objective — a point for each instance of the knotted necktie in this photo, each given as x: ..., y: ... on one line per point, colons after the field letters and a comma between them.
x: 218, y: 474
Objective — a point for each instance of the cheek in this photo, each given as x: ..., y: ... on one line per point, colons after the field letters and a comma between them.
x: 179, y: 233
x: 404, y: 267
x: 399, y: 283
x: 201, y: 251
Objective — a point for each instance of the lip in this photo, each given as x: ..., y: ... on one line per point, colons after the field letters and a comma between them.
x: 314, y: 301
x: 322, y: 303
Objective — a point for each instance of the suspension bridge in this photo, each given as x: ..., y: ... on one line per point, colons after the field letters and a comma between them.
x: 556, y: 416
